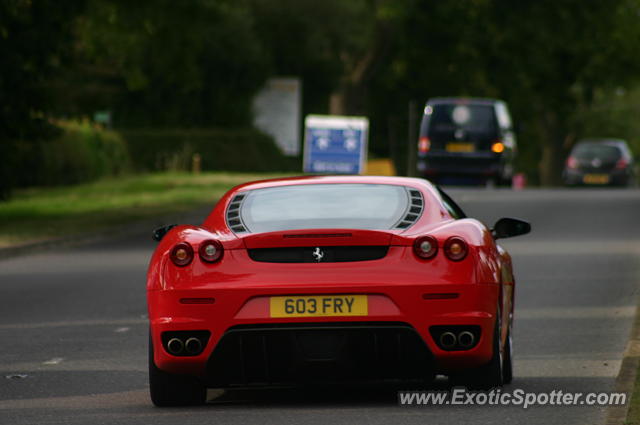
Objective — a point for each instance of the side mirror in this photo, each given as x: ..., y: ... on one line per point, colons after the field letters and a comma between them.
x: 159, y: 233
x: 509, y: 227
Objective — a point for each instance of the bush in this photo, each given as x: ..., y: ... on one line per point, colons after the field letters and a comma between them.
x: 246, y: 150
x: 77, y: 152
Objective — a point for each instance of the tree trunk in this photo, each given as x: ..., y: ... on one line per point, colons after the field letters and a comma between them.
x: 337, y: 103
x: 551, y: 133
x: 350, y: 97
x: 549, y: 164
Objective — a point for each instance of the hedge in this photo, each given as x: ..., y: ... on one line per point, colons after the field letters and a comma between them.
x: 77, y: 152
x: 245, y: 150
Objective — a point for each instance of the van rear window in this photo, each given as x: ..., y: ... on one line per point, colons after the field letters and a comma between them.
x: 445, y: 119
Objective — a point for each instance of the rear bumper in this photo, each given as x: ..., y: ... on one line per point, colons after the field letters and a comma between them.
x: 573, y: 177
x: 247, y: 346
x: 478, y: 164
x: 280, y: 354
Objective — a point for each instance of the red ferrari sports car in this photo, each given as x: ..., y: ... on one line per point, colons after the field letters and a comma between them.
x: 329, y: 279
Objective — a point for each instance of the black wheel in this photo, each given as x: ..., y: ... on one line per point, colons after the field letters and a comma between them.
x: 167, y: 389
x: 488, y: 376
x: 507, y: 362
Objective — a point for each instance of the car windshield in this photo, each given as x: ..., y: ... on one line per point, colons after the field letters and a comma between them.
x: 447, y: 118
x: 596, y: 150
x: 316, y: 206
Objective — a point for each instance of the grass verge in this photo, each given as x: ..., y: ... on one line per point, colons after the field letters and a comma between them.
x: 629, y: 379
x: 44, y: 213
x: 633, y: 414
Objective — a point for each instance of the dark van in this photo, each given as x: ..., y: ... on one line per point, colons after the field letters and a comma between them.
x: 466, y: 141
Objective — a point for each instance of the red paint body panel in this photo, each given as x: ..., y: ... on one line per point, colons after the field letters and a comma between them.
x: 395, y: 284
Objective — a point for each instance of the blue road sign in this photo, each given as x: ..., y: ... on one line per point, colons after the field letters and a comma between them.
x: 335, y: 144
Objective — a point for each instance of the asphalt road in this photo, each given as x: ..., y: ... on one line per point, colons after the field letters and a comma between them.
x: 74, y: 333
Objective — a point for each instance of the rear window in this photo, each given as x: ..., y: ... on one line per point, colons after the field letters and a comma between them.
x: 317, y: 206
x: 444, y: 119
x: 596, y: 150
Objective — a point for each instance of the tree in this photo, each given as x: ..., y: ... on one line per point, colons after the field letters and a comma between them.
x: 168, y: 63
x: 35, y: 38
x: 546, y: 58
x: 553, y: 56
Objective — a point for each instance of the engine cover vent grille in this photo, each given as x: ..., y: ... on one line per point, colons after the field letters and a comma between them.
x: 416, y: 206
x: 234, y: 221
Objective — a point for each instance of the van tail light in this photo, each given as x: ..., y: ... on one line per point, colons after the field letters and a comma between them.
x: 181, y: 254
x: 455, y: 248
x: 572, y: 162
x: 424, y: 144
x: 497, y: 147
x: 621, y: 164
x: 210, y: 251
x: 425, y: 247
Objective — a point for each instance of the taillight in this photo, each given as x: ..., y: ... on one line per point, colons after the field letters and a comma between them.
x: 210, y: 251
x: 424, y: 144
x: 425, y: 247
x: 455, y: 248
x: 621, y: 164
x: 497, y: 147
x: 182, y: 254
x: 572, y: 162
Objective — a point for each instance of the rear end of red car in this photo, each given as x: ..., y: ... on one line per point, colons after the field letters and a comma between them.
x: 322, y: 304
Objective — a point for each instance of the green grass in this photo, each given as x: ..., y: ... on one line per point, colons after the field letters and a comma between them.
x: 633, y: 414
x: 43, y: 213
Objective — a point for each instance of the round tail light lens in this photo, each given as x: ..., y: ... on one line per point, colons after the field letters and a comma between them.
x: 455, y: 248
x: 182, y: 254
x: 211, y: 251
x: 425, y: 247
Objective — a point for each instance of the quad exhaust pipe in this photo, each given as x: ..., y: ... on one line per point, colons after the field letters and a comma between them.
x: 185, y: 343
x: 466, y: 339
x: 456, y: 338
x: 175, y: 346
x: 193, y: 346
x: 448, y: 340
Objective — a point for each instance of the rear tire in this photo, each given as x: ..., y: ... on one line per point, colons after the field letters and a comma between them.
x: 167, y: 389
x: 507, y: 365
x: 488, y: 376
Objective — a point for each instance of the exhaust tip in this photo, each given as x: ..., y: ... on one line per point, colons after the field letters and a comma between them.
x: 193, y: 346
x: 448, y: 340
x: 175, y: 346
x: 466, y: 339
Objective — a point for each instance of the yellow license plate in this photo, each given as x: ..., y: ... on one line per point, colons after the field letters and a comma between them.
x: 596, y: 178
x: 318, y: 306
x: 460, y: 147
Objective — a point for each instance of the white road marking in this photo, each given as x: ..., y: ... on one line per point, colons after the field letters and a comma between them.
x: 122, y: 330
x: 98, y: 401
x: 53, y: 361
x: 576, y: 313
x: 554, y: 367
x: 573, y: 247
x: 99, y: 322
x: 17, y: 376
x: 137, y: 364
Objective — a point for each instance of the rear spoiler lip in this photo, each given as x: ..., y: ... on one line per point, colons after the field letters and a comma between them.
x: 318, y: 237
x: 350, y: 237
